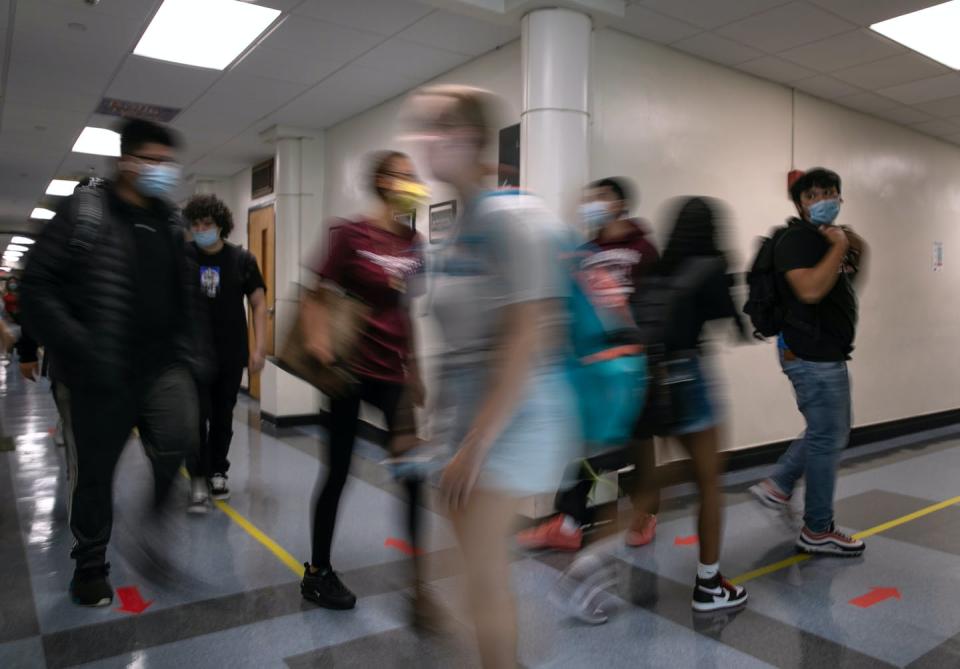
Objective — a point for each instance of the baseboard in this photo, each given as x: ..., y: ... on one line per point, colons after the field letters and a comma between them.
x: 765, y: 454
x: 365, y: 430
x: 673, y: 473
x: 289, y: 421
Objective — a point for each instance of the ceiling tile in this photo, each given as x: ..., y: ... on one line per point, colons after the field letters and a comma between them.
x: 891, y: 71
x: 236, y: 102
x: 867, y: 102
x: 786, y: 26
x: 54, y: 90
x: 865, y: 12
x: 924, y: 90
x: 348, y: 92
x: 652, y: 26
x: 323, y: 42
x: 135, y: 9
x: 844, y: 50
x: 410, y: 60
x: 286, y: 66
x: 825, y: 87
x: 905, y: 115
x: 717, y: 49
x: 384, y: 17
x: 710, y: 14
x: 462, y: 34
x: 938, y: 127
x: 776, y: 69
x: 282, y: 5
x: 159, y: 83
x: 944, y: 108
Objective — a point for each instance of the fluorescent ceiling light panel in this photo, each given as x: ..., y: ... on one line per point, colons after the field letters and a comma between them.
x: 42, y: 214
x: 12, y: 255
x: 22, y: 240
x: 4, y: 269
x: 931, y: 31
x: 98, y: 141
x: 17, y: 247
x: 204, y: 33
x: 61, y: 187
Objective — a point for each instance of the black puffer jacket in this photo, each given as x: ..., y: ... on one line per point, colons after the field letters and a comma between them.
x: 78, y: 297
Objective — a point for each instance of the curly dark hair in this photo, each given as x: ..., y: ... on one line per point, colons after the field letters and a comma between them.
x: 209, y: 206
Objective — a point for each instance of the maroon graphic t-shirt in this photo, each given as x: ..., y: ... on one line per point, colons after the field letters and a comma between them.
x: 377, y: 266
x: 615, y: 268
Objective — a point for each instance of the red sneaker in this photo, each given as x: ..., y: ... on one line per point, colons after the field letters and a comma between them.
x: 641, y: 532
x: 550, y: 535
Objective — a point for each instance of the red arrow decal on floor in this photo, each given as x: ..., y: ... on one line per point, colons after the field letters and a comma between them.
x: 402, y: 546
x: 131, y: 601
x: 686, y: 541
x: 875, y: 596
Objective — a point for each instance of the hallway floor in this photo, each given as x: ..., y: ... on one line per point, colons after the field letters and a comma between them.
x: 221, y: 590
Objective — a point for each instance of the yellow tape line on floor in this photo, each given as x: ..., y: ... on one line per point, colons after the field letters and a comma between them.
x: 278, y: 551
x: 889, y: 525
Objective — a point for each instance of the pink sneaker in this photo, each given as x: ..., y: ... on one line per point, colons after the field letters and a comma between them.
x: 641, y: 533
x: 551, y: 535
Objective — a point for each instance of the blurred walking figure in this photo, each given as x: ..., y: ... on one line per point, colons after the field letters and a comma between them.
x: 376, y: 259
x: 110, y: 290
x: 692, y: 281
x: 615, y: 260
x: 499, y: 297
x: 228, y: 273
x: 815, y: 263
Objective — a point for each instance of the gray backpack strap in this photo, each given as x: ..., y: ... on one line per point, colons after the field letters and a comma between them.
x: 88, y: 209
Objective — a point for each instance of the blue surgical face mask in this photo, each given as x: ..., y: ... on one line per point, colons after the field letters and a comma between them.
x: 206, y: 238
x: 824, y: 212
x: 595, y: 215
x: 158, y: 180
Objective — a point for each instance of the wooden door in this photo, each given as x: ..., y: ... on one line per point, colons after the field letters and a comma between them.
x: 261, y: 234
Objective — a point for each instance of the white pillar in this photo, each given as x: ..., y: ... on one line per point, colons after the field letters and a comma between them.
x: 554, y: 127
x: 295, y: 183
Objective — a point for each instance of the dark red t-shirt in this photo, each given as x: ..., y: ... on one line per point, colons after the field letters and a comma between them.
x: 615, y: 268
x: 377, y: 266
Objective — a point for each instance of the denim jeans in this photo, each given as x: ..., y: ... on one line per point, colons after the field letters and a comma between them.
x: 823, y: 397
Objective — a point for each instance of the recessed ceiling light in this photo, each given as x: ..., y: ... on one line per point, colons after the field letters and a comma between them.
x: 22, y: 240
x: 98, y: 141
x: 12, y: 255
x: 61, y: 187
x: 931, y: 31
x: 207, y: 33
x: 18, y: 247
x: 42, y: 214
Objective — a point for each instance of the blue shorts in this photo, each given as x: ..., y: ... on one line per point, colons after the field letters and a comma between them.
x: 695, y: 410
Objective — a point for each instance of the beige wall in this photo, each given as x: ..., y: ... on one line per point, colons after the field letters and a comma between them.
x: 680, y: 125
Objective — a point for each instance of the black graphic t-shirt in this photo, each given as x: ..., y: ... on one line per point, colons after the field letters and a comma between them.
x: 226, y: 277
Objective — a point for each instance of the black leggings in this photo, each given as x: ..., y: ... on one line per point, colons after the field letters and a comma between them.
x: 342, y: 434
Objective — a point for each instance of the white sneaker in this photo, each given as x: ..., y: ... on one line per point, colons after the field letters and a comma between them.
x: 199, y: 496
x: 218, y: 487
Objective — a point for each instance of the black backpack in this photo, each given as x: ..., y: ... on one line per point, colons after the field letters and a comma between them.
x: 764, y: 306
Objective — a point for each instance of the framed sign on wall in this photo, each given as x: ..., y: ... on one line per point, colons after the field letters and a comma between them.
x: 442, y: 217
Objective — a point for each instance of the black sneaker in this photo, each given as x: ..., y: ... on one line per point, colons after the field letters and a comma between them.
x: 714, y: 594
x: 90, y: 586
x: 831, y: 542
x: 326, y: 589
x: 218, y: 487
